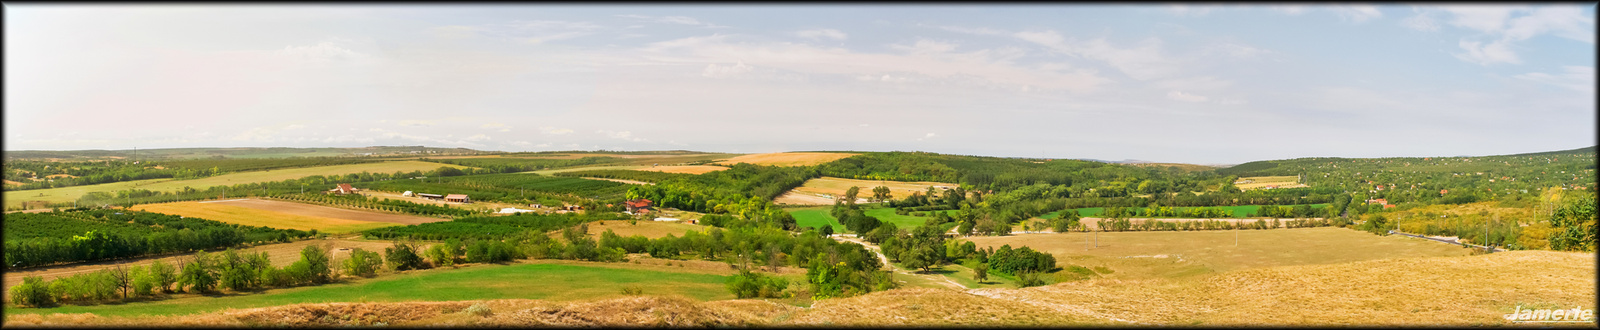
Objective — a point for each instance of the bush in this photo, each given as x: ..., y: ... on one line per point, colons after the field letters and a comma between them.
x: 756, y: 285
x: 362, y: 263
x: 1030, y: 279
x: 403, y: 256
x: 479, y: 309
x: 34, y: 291
x: 632, y: 290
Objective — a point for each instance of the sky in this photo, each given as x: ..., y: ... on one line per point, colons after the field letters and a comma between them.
x: 1220, y: 84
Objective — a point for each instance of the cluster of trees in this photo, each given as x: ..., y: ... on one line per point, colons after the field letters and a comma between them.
x: 202, y: 273
x: 306, y: 184
x: 642, y: 176
x: 489, y: 227
x: 744, y: 190
x: 1422, y: 180
x: 96, y: 172
x: 36, y: 239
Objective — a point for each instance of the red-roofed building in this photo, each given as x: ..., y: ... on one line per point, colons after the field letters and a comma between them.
x: 344, y: 189
x: 1444, y: 191
x: 638, y: 205
x: 458, y: 198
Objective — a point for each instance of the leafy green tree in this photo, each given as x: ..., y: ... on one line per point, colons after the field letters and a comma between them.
x: 1573, y: 225
x: 34, y: 291
x: 403, y: 256
x: 163, y: 276
x: 850, y: 196
x: 362, y: 263
x: 439, y: 257
x: 981, y: 273
x: 881, y: 193
x: 199, y: 274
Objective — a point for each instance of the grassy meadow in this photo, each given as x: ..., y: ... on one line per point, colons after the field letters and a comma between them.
x: 69, y: 194
x: 554, y: 281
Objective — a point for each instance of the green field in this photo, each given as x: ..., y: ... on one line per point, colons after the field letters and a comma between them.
x: 69, y: 194
x: 815, y: 217
x: 1240, y: 211
x: 818, y: 216
x: 547, y: 281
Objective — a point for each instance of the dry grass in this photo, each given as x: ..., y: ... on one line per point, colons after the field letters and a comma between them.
x: 646, y: 228
x: 830, y: 186
x: 801, y: 198
x: 224, y: 212
x: 1258, y: 182
x: 929, y: 307
x: 684, y: 169
x: 788, y: 158
x: 1436, y: 291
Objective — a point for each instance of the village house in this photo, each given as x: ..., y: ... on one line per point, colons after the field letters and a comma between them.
x: 458, y: 198
x: 638, y: 206
x: 343, y: 189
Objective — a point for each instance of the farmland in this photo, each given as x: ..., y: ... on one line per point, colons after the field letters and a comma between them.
x: 788, y: 158
x: 646, y: 228
x: 287, y: 215
x: 281, y: 254
x: 684, y: 169
x: 69, y: 194
x: 38, y: 239
x: 1259, y: 182
x: 1177, y: 254
x: 546, y: 280
x: 834, y: 187
x: 818, y: 216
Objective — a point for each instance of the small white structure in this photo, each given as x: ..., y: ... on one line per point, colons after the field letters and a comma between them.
x: 666, y: 219
x: 407, y: 194
x: 512, y: 210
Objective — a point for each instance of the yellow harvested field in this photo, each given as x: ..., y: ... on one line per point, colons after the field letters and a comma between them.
x: 830, y: 187
x: 788, y: 158
x: 69, y: 194
x: 1258, y: 182
x: 646, y: 228
x: 1432, y: 291
x: 250, y: 216
x: 684, y: 169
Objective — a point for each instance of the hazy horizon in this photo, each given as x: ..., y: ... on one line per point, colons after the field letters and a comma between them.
x: 1163, y: 83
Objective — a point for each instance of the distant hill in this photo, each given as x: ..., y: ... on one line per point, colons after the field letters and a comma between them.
x: 277, y: 152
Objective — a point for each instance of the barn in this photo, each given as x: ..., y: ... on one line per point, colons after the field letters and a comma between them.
x: 458, y: 198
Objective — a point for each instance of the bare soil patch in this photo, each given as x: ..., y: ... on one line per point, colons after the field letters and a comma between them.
x: 802, y: 198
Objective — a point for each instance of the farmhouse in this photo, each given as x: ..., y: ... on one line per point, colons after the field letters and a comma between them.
x: 431, y: 196
x: 343, y: 189
x: 458, y: 198
x: 638, y: 205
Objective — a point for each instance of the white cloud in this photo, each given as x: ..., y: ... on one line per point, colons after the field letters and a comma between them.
x: 713, y: 70
x: 415, y: 123
x: 1190, y: 10
x: 537, y: 31
x: 621, y: 135
x: 1486, y: 54
x: 1480, y: 17
x: 479, y: 137
x: 1291, y: 10
x: 976, y: 31
x: 1577, y: 78
x: 554, y: 131
x: 1186, y: 97
x: 1423, y: 21
x: 493, y: 125
x: 822, y: 33
x: 324, y: 53
x: 925, y: 47
x: 685, y: 20
x: 294, y: 127
x: 989, y: 67
x: 928, y: 136
x: 1143, y: 62
x: 1357, y: 13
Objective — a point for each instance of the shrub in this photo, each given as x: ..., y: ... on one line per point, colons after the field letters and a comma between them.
x: 632, y: 290
x: 756, y: 285
x: 362, y: 263
x: 479, y: 309
x: 403, y: 256
x: 1030, y: 279
x: 34, y: 291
